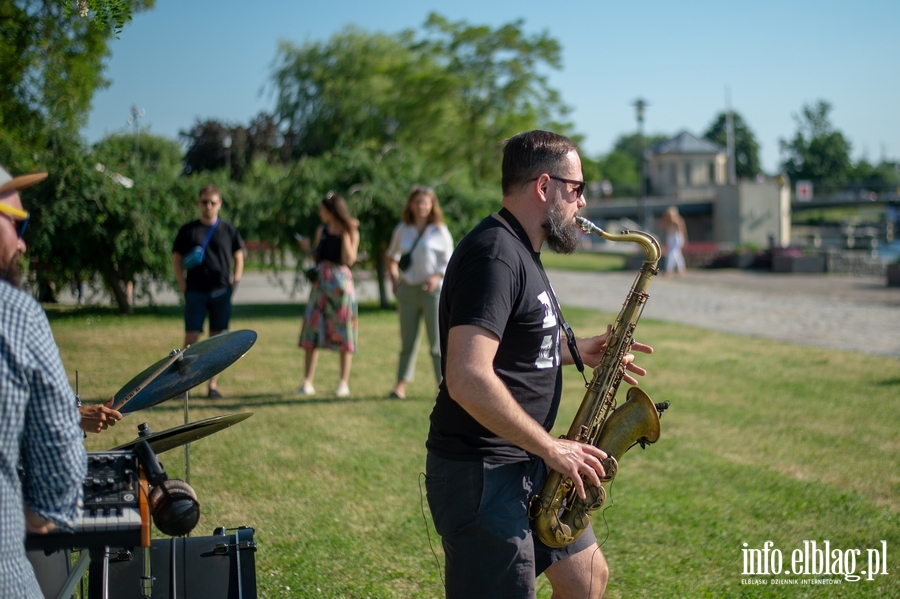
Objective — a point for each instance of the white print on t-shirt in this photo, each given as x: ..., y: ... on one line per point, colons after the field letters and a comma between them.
x: 549, y: 314
x: 548, y: 356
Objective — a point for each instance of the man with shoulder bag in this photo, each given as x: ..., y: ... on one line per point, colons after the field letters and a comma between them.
x: 204, y: 253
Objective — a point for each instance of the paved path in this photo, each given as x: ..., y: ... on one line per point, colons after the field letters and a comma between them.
x: 860, y: 314
x: 851, y: 313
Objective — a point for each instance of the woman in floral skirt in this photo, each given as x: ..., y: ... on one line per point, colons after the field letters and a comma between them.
x: 330, y: 321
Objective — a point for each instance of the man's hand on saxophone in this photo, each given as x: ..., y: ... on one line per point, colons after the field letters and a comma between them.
x: 593, y: 348
x: 572, y: 459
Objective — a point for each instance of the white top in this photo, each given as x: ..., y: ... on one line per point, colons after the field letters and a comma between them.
x: 430, y: 256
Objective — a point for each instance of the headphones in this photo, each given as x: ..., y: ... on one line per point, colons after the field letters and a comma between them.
x: 173, y: 503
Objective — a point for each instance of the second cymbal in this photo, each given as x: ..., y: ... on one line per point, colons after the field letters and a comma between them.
x: 186, y: 433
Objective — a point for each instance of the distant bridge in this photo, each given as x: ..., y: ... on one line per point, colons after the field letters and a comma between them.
x: 846, y: 198
x: 632, y: 208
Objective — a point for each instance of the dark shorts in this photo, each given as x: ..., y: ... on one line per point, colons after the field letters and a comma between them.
x: 481, y: 512
x: 198, y: 303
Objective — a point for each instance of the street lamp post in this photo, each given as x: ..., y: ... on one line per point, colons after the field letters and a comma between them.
x: 227, y: 143
x: 136, y: 114
x: 639, y: 105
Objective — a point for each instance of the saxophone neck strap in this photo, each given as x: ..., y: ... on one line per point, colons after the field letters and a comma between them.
x: 506, y: 218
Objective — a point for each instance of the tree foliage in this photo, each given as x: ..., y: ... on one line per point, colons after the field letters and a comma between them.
x: 212, y: 145
x: 746, y: 148
x: 882, y: 176
x: 818, y: 152
x: 102, y: 13
x: 499, y: 88
x: 274, y: 201
x: 621, y: 167
x: 451, y: 96
x: 51, y: 64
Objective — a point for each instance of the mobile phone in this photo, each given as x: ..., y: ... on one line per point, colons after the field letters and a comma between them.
x: 299, y: 237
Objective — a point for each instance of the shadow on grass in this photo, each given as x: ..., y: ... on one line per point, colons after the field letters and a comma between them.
x: 57, y: 312
x: 265, y: 400
x: 889, y: 382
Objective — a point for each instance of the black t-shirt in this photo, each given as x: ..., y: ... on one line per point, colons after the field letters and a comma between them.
x: 493, y: 281
x: 215, y: 271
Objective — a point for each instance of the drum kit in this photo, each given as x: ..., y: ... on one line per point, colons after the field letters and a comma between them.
x: 171, y: 377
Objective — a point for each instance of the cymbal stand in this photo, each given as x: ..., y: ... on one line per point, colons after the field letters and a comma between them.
x: 187, y: 446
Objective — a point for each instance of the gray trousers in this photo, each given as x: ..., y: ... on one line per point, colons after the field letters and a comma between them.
x: 481, y: 512
x: 415, y: 304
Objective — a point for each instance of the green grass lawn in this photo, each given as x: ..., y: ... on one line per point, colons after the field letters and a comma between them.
x: 764, y: 441
x: 584, y: 261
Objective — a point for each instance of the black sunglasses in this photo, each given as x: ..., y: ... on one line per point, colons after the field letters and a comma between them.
x: 579, y: 185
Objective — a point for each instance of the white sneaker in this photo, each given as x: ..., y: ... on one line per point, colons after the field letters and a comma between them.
x: 342, y: 390
x: 306, y: 389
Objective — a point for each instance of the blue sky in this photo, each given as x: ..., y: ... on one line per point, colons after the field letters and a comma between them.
x: 200, y: 59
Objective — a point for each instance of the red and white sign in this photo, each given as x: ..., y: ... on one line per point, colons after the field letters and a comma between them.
x: 804, y: 191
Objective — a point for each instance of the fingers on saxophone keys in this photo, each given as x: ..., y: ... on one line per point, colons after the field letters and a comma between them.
x: 595, y: 464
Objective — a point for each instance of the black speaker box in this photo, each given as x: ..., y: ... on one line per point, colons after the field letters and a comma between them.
x: 222, y: 566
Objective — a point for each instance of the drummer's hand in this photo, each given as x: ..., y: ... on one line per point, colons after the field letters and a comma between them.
x: 34, y: 523
x: 98, y: 417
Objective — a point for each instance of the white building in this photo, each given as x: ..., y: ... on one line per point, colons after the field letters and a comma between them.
x: 686, y: 168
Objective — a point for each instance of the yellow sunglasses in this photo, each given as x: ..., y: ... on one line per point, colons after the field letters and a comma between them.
x: 19, y: 217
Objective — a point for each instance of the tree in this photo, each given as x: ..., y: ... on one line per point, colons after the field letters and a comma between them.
x: 633, y: 144
x: 87, y: 226
x: 499, y: 86
x: 621, y: 169
x: 621, y: 166
x: 50, y: 65
x: 132, y: 155
x: 101, y: 12
x: 817, y: 152
x: 342, y: 92
x: 882, y: 176
x: 746, y: 148
x: 451, y: 96
x: 213, y: 145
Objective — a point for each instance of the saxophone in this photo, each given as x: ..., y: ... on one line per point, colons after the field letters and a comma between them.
x: 559, y: 516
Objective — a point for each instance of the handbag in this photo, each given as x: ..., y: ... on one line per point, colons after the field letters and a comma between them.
x: 406, y: 259
x: 195, y: 257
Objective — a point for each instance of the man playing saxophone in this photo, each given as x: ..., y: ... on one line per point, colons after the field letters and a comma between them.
x: 489, y: 448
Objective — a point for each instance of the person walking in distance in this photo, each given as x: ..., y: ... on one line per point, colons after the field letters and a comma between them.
x: 675, y: 231
x: 208, y: 256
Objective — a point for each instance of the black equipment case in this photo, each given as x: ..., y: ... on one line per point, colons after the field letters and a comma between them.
x: 222, y: 566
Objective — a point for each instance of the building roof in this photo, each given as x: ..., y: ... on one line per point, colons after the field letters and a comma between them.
x: 685, y: 143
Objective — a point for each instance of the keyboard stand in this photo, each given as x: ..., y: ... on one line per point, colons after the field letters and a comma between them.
x: 68, y: 589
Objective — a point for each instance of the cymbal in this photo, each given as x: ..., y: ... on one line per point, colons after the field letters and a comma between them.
x: 186, y: 433
x: 199, y: 362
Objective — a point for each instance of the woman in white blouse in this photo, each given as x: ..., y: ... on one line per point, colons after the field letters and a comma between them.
x: 422, y: 236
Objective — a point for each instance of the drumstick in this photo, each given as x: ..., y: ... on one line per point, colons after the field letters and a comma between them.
x: 173, y: 357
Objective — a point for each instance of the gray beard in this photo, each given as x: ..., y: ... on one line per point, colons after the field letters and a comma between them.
x: 562, y: 235
x: 11, y: 273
